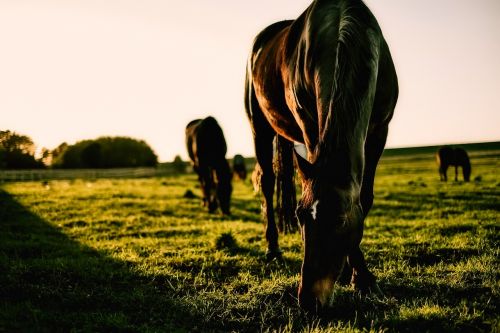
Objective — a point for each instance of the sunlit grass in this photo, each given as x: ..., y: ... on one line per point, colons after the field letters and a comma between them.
x: 135, y: 255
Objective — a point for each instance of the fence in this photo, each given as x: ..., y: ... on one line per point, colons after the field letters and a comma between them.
x: 54, y: 174
x: 164, y: 169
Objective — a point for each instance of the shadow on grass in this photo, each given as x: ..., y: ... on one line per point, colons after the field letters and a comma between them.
x: 414, y: 200
x: 425, y: 256
x: 51, y: 283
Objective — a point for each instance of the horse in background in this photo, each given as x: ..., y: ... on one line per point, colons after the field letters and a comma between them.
x: 326, y: 80
x: 239, y: 167
x: 207, y: 149
x: 457, y: 157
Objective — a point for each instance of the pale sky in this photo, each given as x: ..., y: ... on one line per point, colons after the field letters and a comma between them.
x: 79, y: 69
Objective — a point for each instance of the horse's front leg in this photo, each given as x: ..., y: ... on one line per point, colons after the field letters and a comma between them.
x: 362, y: 278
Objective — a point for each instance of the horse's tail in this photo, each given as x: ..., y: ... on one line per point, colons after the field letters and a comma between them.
x: 256, y: 178
x: 286, y: 197
x: 442, y: 163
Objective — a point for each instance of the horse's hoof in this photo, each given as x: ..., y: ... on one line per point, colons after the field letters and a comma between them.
x: 275, y: 254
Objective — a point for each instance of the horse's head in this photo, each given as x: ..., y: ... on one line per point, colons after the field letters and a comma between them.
x: 331, y: 220
x: 224, y: 196
x: 467, y: 174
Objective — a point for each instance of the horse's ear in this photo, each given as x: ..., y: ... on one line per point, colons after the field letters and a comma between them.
x: 306, y: 169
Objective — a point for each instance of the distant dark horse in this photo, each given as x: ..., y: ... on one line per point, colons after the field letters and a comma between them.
x: 239, y: 167
x: 326, y: 80
x: 207, y: 150
x: 456, y: 157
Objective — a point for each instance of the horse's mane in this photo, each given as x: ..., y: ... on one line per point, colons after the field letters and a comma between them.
x: 356, y: 52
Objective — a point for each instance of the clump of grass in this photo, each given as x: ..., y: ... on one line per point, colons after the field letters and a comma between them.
x: 417, y: 183
x: 226, y: 241
x: 189, y: 195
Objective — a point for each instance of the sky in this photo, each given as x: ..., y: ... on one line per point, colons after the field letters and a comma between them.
x: 79, y: 69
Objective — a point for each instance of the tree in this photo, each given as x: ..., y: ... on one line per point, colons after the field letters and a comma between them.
x: 91, y: 155
x: 17, y: 151
x: 56, y: 153
x: 3, y: 158
x: 11, y: 141
x: 106, y: 152
x: 179, y: 165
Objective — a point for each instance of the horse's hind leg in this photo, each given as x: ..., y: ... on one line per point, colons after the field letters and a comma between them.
x: 286, y: 201
x: 206, y: 181
x: 456, y: 173
x: 263, y: 136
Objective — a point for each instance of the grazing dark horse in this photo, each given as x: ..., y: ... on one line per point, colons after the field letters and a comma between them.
x: 207, y: 150
x: 239, y: 167
x: 327, y: 80
x: 456, y: 157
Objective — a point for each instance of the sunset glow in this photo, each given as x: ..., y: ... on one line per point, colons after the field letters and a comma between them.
x: 78, y: 69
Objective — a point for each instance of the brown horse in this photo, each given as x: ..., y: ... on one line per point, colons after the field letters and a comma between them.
x: 207, y: 150
x: 456, y: 157
x: 326, y: 80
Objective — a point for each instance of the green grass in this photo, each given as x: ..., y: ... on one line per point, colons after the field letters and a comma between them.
x: 134, y: 255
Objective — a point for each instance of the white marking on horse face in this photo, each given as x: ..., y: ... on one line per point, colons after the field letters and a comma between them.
x: 314, y: 209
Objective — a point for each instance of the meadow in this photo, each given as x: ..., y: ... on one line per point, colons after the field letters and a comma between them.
x: 135, y: 255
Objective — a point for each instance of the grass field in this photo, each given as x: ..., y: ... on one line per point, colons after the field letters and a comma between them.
x: 134, y: 255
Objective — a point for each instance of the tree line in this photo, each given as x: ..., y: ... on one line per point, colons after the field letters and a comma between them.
x: 17, y: 151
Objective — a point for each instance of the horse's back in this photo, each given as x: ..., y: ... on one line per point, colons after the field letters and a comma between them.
x: 452, y: 156
x: 205, y: 141
x: 268, y: 33
x: 293, y: 66
x: 461, y: 156
x: 445, y: 156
